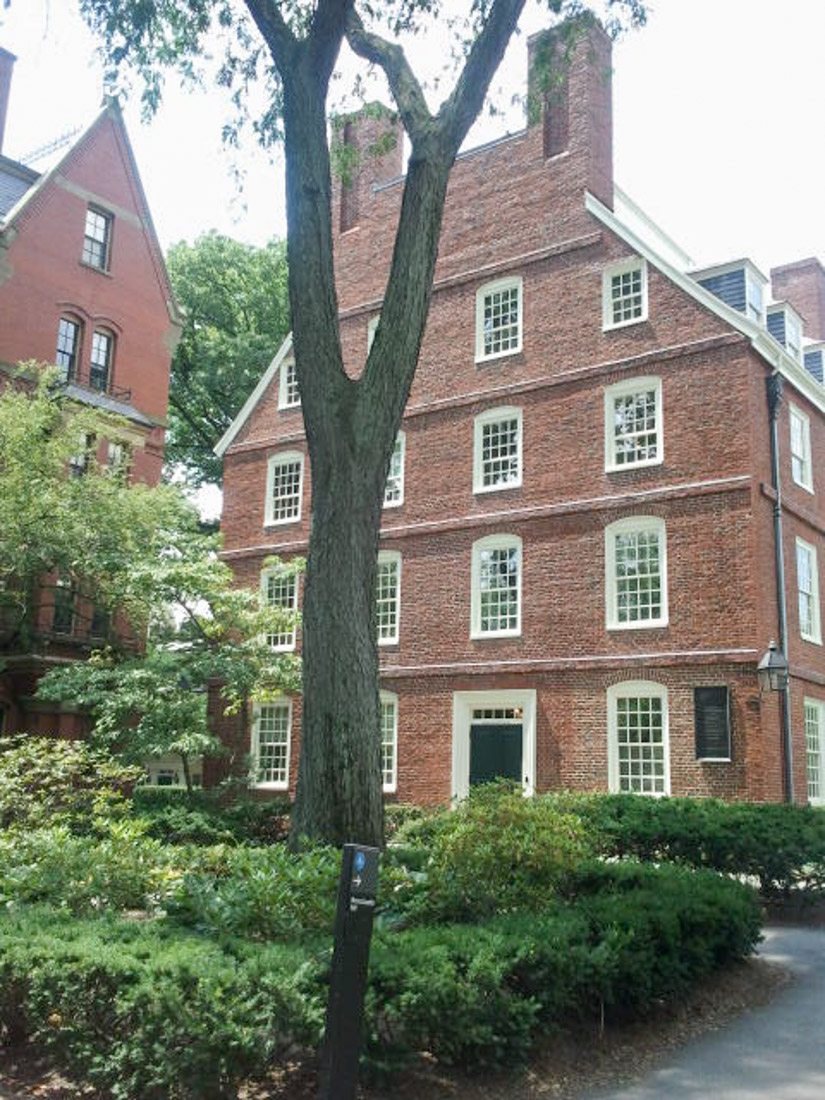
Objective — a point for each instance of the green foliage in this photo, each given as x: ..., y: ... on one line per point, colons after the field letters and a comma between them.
x: 141, y: 1013
x: 496, y: 852
x: 207, y: 817
x: 781, y: 846
x: 236, y: 314
x: 44, y: 781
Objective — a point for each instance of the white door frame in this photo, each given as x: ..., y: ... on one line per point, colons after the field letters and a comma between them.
x: 464, y: 703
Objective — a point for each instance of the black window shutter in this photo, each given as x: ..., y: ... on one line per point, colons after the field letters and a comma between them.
x: 712, y: 719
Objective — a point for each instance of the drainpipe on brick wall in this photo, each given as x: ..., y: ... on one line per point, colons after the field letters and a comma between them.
x: 775, y: 387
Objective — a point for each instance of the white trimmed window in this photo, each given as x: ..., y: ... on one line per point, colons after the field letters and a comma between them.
x: 499, y: 318
x: 801, y: 466
x: 497, y: 450
x: 807, y: 583
x: 624, y: 293
x: 284, y: 487
x: 814, y: 726
x: 280, y: 589
x: 496, y: 587
x: 389, y: 741
x: 388, y: 596
x: 271, y: 735
x: 633, y: 424
x: 289, y: 396
x: 637, y: 728
x: 636, y: 573
x: 394, y: 487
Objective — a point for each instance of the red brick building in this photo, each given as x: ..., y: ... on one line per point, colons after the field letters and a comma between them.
x: 82, y: 284
x: 578, y: 561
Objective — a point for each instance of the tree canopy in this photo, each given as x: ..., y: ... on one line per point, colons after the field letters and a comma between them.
x: 235, y: 305
x: 278, y: 63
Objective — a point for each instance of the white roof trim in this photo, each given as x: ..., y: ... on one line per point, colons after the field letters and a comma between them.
x: 760, y: 338
x: 228, y: 437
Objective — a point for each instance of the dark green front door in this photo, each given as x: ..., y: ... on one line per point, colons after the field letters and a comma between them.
x: 495, y: 753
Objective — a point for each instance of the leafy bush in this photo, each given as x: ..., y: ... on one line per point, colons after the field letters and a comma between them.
x: 46, y: 781
x: 140, y: 1013
x: 207, y: 817
x: 498, y: 851
x: 782, y: 846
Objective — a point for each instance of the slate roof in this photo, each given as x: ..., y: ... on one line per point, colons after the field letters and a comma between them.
x: 15, y: 181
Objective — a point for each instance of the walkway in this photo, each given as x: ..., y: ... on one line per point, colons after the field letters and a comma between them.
x: 777, y: 1051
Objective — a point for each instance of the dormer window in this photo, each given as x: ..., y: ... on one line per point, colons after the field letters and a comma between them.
x: 785, y: 326
x: 740, y: 284
x: 814, y: 358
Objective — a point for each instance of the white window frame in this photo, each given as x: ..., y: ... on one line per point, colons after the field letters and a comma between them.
x: 803, y: 458
x: 401, y: 446
x: 289, y: 397
x: 493, y: 416
x: 635, y: 689
x: 631, y: 387
x: 388, y: 557
x: 634, y: 525
x: 157, y: 765
x: 389, y: 786
x: 815, y: 706
x: 263, y: 784
x: 793, y: 337
x: 464, y: 703
x: 493, y: 542
x: 510, y: 283
x: 815, y: 633
x: 282, y: 458
x: 372, y: 328
x: 276, y: 572
x: 626, y: 267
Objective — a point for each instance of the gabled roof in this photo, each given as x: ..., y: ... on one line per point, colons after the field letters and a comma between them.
x: 228, y: 437
x: 26, y: 196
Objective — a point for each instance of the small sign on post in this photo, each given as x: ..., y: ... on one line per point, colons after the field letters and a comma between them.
x: 357, y: 890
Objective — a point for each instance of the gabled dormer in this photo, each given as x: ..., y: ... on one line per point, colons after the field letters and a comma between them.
x: 739, y: 284
x: 785, y: 326
x: 813, y: 356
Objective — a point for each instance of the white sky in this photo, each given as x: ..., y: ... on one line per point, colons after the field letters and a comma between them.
x: 717, y: 111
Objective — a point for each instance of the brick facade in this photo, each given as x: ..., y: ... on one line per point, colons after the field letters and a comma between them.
x: 44, y: 278
x: 512, y: 211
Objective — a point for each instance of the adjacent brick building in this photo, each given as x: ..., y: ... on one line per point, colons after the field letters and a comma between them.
x: 577, y: 576
x: 82, y: 284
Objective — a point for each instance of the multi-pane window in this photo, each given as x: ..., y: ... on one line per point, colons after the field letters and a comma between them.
x: 388, y: 596
x: 633, y: 424
x: 281, y: 590
x: 394, y: 487
x: 289, y: 396
x: 636, y: 573
x: 813, y: 748
x: 624, y: 294
x: 118, y: 458
x: 285, y: 475
x: 63, y: 616
x: 638, y: 738
x: 101, y: 359
x: 497, y: 450
x: 80, y: 461
x: 389, y: 740
x: 496, y: 586
x: 801, y: 468
x: 68, y: 347
x: 793, y: 337
x: 807, y: 583
x: 97, y: 238
x: 270, y: 750
x: 498, y: 319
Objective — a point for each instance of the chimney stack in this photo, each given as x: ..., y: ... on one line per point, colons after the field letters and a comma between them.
x: 372, y: 148
x: 569, y: 93
x: 7, y: 61
x: 803, y: 285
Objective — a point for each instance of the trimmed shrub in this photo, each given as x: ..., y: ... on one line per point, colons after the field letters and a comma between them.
x: 46, y: 781
x: 206, y: 817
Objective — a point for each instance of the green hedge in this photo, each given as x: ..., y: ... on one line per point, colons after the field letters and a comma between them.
x: 147, y: 1010
x: 781, y: 846
x: 210, y: 817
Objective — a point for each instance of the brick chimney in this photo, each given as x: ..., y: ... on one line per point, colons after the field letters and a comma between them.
x: 7, y: 61
x: 803, y: 285
x: 372, y: 153
x: 570, y: 94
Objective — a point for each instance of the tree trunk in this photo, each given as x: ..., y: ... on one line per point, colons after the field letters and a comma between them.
x: 187, y: 774
x: 339, y: 797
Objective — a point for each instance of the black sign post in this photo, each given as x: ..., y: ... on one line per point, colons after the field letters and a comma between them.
x: 357, y: 889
